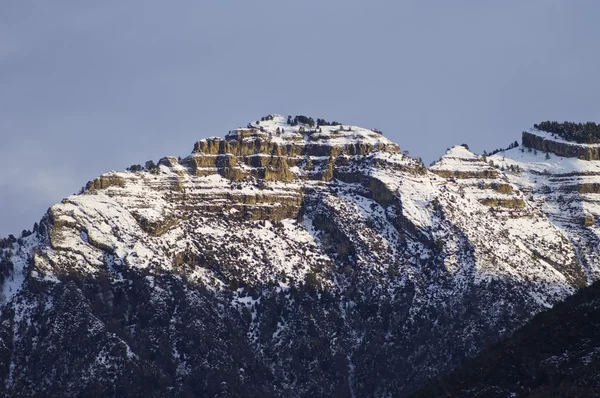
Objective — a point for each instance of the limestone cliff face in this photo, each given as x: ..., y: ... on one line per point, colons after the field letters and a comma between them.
x: 105, y: 181
x: 285, y: 260
x: 541, y: 141
x: 268, y: 150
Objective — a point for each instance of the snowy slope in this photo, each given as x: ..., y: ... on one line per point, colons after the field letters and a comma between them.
x: 556, y: 186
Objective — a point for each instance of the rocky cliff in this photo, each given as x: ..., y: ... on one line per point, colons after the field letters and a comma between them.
x: 546, y: 142
x: 290, y: 260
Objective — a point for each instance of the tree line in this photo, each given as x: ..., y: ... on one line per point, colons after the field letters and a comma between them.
x: 309, y: 121
x: 583, y: 133
x: 495, y: 151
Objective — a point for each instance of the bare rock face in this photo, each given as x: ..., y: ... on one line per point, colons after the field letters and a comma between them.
x: 105, y: 181
x: 286, y: 260
x: 543, y: 141
x: 268, y: 149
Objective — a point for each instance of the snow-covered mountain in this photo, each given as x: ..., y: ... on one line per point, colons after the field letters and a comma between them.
x: 288, y: 259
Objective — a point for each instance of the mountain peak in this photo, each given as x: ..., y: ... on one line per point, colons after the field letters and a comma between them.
x: 280, y: 148
x: 305, y: 130
x: 461, y: 152
x: 459, y: 159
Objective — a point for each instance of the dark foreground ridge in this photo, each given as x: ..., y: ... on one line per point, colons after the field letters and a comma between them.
x: 557, y: 354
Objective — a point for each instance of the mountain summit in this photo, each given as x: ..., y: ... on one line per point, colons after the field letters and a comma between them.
x: 292, y: 257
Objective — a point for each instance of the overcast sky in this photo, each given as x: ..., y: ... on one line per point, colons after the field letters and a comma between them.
x: 87, y: 87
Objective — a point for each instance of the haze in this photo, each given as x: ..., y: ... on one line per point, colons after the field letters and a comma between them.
x: 86, y: 87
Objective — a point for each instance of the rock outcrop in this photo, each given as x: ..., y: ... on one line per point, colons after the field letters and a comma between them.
x: 543, y: 141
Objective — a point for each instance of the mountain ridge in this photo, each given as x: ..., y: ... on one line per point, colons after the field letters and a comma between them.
x: 555, y: 354
x: 332, y: 261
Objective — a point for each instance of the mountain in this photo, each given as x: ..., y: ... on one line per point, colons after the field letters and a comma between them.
x: 292, y: 258
x: 556, y: 354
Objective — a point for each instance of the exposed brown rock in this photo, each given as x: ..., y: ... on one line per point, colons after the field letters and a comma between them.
x: 589, y: 188
x: 561, y: 149
x: 157, y: 227
x: 105, y: 181
x: 513, y: 203
x: 466, y: 174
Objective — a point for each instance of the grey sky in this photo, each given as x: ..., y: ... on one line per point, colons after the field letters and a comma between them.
x: 87, y: 87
